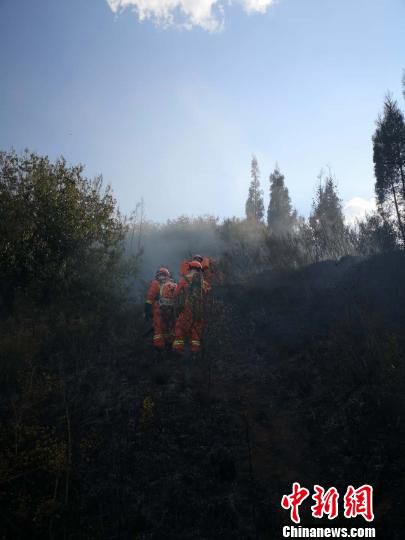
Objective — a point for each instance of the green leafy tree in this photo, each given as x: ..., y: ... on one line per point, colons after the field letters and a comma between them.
x: 280, y: 215
x: 254, y: 205
x: 389, y: 164
x: 60, y: 233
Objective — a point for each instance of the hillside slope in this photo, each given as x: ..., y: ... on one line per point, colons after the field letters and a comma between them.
x: 302, y: 379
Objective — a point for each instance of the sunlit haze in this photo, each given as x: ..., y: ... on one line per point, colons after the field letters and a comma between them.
x: 169, y: 99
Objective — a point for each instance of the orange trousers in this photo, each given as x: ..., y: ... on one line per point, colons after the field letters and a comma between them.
x: 163, y: 328
x: 187, y: 328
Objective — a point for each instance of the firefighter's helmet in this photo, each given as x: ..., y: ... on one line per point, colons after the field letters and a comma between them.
x: 195, y: 265
x: 163, y: 272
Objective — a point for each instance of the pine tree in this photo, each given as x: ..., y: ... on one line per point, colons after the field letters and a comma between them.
x: 254, y: 205
x: 326, y: 220
x: 389, y: 163
x: 280, y: 215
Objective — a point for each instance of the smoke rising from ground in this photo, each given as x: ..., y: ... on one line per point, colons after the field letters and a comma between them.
x: 170, y: 244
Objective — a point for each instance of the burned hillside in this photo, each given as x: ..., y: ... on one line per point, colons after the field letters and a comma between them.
x: 298, y: 377
x: 202, y: 263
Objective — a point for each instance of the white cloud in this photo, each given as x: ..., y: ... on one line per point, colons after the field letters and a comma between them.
x: 259, y: 6
x: 207, y: 14
x: 357, y: 208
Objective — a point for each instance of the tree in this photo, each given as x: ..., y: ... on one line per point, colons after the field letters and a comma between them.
x: 280, y: 215
x: 254, y: 205
x: 60, y: 233
x: 389, y: 163
x: 375, y: 235
x: 326, y: 220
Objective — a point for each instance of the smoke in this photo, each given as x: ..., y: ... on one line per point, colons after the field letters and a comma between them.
x: 170, y: 244
x: 206, y: 14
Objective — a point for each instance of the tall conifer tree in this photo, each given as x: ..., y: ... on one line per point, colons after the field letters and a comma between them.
x: 280, y: 215
x: 254, y: 205
x: 326, y: 219
x: 389, y: 163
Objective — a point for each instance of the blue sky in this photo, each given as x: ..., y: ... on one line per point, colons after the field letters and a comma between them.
x: 171, y: 108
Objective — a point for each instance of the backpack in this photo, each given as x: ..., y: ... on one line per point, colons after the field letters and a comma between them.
x: 194, y: 295
x: 166, y: 299
x: 166, y: 303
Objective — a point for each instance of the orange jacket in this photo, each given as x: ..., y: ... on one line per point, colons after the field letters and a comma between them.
x: 153, y: 292
x: 209, y: 268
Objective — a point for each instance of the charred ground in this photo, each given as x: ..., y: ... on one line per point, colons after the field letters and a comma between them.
x: 302, y: 379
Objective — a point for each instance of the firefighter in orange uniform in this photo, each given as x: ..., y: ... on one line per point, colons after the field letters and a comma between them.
x: 190, y: 294
x: 159, y: 305
x: 212, y: 274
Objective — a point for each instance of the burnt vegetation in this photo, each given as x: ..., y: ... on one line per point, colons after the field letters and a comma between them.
x: 302, y: 375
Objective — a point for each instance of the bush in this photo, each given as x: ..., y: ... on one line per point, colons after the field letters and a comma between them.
x: 375, y: 235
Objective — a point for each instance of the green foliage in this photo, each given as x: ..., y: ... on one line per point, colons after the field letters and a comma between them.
x: 280, y: 216
x: 375, y: 235
x: 62, y: 283
x: 254, y: 205
x: 326, y: 220
x: 244, y: 249
x: 292, y: 250
x: 58, y: 232
x: 389, y: 164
